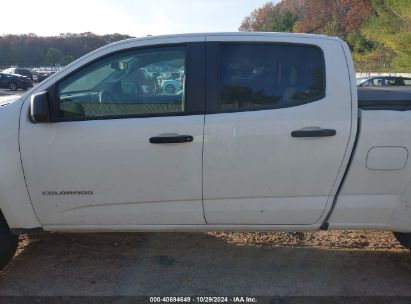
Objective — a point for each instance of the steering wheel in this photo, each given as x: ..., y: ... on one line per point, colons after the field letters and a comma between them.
x: 106, y: 97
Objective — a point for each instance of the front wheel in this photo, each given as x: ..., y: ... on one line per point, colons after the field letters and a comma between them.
x: 8, y: 246
x: 8, y: 242
x: 404, y: 239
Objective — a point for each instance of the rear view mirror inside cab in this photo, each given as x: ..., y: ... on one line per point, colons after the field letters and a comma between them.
x: 119, y: 65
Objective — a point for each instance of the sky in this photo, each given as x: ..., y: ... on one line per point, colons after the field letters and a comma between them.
x: 132, y: 17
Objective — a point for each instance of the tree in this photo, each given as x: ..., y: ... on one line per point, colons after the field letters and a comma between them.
x: 269, y: 18
x: 54, y: 56
x: 358, y: 11
x: 259, y: 20
x: 358, y: 43
x: 377, y: 31
x: 283, y: 22
x: 391, y: 28
x: 322, y: 16
x: 31, y: 50
x: 67, y: 59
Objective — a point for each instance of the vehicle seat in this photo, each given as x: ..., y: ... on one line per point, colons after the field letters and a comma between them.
x: 145, y: 85
x: 290, y: 83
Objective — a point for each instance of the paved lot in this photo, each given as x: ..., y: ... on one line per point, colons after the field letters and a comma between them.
x: 324, y: 263
x: 5, y: 92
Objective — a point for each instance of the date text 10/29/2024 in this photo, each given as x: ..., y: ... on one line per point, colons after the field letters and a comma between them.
x: 203, y: 299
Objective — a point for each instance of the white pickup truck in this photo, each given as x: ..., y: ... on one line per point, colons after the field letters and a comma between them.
x: 266, y: 134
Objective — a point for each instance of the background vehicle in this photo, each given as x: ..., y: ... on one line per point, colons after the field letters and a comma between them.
x: 19, y: 71
x: 236, y: 149
x: 40, y: 76
x: 379, y: 81
x: 171, y: 85
x: 14, y: 82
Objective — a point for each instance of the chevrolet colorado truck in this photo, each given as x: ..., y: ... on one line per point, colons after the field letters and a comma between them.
x: 266, y: 134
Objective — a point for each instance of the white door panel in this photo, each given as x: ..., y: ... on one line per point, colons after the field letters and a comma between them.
x: 255, y: 172
x: 252, y: 155
x: 132, y: 180
x: 260, y: 143
x: 112, y: 155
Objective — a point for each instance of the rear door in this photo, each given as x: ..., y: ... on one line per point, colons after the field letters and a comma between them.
x: 276, y: 131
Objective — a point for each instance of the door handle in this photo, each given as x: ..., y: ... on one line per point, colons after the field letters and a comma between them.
x: 174, y: 139
x: 313, y: 133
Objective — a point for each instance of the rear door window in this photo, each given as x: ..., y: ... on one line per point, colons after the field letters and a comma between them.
x: 267, y: 76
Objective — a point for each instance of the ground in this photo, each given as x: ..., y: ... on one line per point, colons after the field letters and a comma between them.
x: 321, y: 263
x: 5, y: 92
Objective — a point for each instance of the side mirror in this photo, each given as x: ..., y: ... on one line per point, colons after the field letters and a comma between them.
x: 39, y: 107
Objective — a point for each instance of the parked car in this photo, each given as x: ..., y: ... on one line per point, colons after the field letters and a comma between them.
x: 380, y: 81
x: 40, y: 76
x: 19, y: 71
x: 171, y: 85
x: 13, y: 82
x: 253, y: 142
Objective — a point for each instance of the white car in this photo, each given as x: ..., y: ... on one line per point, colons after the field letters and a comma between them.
x: 267, y: 135
x: 171, y: 85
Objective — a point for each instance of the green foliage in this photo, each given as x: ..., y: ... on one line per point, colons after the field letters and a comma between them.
x: 390, y: 27
x: 54, y: 56
x: 377, y: 31
x: 269, y: 18
x: 358, y: 43
x: 67, y: 59
x: 334, y: 26
x: 283, y: 22
x: 31, y: 50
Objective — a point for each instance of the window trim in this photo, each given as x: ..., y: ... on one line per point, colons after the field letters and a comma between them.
x: 214, y: 76
x: 194, y: 95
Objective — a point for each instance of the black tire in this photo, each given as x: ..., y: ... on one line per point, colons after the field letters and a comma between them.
x: 13, y: 86
x: 8, y: 247
x: 170, y: 89
x: 404, y: 238
x: 8, y: 242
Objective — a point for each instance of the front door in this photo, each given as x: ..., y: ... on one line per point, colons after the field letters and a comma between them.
x: 276, y: 131
x: 125, y: 148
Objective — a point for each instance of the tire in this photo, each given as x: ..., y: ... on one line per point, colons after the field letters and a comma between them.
x: 404, y: 239
x: 12, y: 86
x: 8, y: 243
x: 170, y: 89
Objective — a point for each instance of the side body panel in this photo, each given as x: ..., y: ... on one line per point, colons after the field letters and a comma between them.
x: 14, y: 200
x: 377, y: 190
